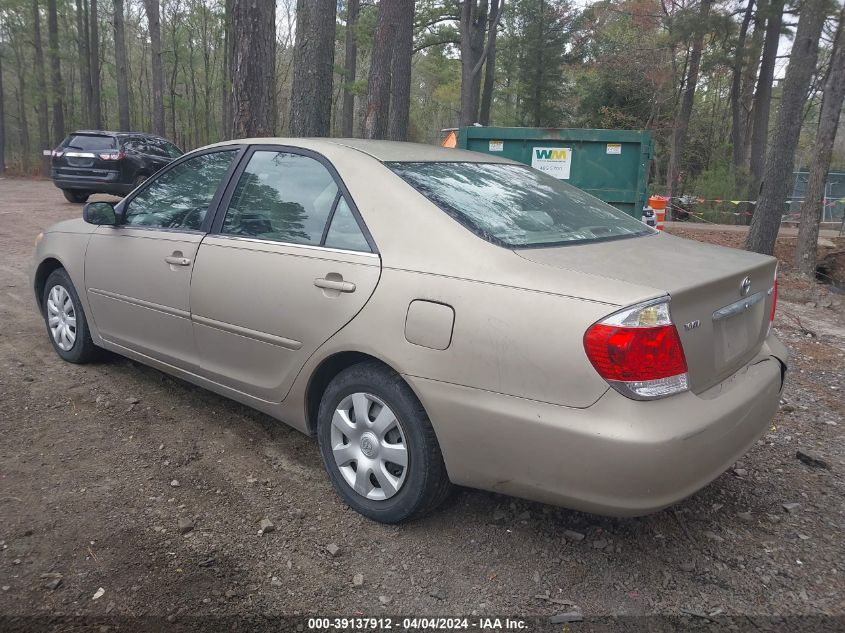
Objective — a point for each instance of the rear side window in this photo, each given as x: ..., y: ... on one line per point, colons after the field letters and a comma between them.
x: 154, y: 149
x: 282, y: 196
x: 89, y: 142
x: 133, y: 144
x: 516, y: 206
x: 344, y: 231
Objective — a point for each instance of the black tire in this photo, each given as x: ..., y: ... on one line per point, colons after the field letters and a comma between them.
x: 83, y: 349
x: 75, y: 196
x: 426, y: 484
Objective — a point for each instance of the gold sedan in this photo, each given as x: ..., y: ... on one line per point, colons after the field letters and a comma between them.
x: 433, y: 316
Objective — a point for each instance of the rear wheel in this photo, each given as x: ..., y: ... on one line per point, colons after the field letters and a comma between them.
x: 378, y: 445
x: 75, y: 196
x: 66, y: 322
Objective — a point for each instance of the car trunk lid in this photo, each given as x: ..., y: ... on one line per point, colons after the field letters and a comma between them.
x: 722, y: 324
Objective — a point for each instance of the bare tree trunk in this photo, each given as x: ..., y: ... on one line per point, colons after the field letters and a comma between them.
x: 763, y: 97
x: 96, y: 109
x: 19, y: 99
x: 120, y: 67
x: 496, y: 9
x: 777, y: 178
x: 253, y: 72
x: 539, y: 66
x: 679, y: 133
x: 84, y: 60
x: 23, y: 127
x: 378, y: 85
x: 473, y: 27
x: 313, y: 68
x: 174, y: 47
x: 749, y: 80
x: 41, y: 88
x: 400, y: 74
x: 56, y: 71
x: 154, y: 24
x: 208, y: 95
x: 228, y: 62
x: 2, y: 122
x: 812, y: 207
x: 350, y: 67
x: 737, y: 115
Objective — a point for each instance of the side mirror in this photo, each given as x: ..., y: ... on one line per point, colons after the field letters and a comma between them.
x: 99, y: 213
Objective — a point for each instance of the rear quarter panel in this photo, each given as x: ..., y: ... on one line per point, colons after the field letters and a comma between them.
x: 505, y: 339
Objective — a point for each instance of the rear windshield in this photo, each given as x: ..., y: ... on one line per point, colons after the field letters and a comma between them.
x: 89, y: 142
x: 517, y: 206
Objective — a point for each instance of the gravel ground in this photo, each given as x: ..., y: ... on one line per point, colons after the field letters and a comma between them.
x: 130, y: 500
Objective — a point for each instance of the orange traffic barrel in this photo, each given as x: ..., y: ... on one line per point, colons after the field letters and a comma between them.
x: 658, y: 203
x: 659, y: 217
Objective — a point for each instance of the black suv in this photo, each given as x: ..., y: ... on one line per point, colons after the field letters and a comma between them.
x: 91, y: 161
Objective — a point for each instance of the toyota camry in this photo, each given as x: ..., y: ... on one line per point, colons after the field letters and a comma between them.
x: 435, y: 317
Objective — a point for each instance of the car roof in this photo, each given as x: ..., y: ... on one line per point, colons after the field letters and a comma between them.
x: 384, y: 151
x: 109, y: 133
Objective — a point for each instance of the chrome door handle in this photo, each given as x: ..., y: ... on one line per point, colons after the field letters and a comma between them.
x: 334, y: 284
x: 178, y: 261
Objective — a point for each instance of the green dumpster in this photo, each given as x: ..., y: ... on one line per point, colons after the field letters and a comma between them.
x: 609, y: 164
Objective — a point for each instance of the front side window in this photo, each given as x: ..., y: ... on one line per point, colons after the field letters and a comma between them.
x: 179, y: 198
x: 516, y: 206
x: 283, y: 197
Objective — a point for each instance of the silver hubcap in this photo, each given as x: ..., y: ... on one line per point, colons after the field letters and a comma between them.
x: 369, y: 446
x: 61, y: 317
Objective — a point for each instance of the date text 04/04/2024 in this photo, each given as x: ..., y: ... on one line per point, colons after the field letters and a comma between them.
x: 416, y: 623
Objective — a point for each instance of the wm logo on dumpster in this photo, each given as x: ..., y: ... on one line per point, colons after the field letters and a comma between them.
x: 551, y: 154
x: 555, y: 161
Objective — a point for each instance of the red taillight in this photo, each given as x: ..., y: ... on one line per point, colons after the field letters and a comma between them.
x: 112, y: 156
x: 638, y: 352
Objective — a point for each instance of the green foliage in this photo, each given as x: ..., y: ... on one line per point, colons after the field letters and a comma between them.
x: 609, y: 64
x: 624, y: 74
x: 435, y: 93
x: 533, y: 55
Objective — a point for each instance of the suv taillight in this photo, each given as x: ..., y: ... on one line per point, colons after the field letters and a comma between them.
x: 112, y: 155
x: 638, y: 352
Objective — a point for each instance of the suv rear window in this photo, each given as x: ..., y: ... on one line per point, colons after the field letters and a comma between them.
x: 89, y: 142
x: 516, y: 206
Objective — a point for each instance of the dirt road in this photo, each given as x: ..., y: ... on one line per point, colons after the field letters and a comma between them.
x: 99, y: 463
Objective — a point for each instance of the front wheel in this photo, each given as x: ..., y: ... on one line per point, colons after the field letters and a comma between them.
x: 77, y: 197
x: 378, y: 445
x: 66, y: 322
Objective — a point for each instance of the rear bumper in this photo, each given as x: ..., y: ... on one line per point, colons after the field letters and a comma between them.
x: 108, y: 183
x: 618, y: 457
